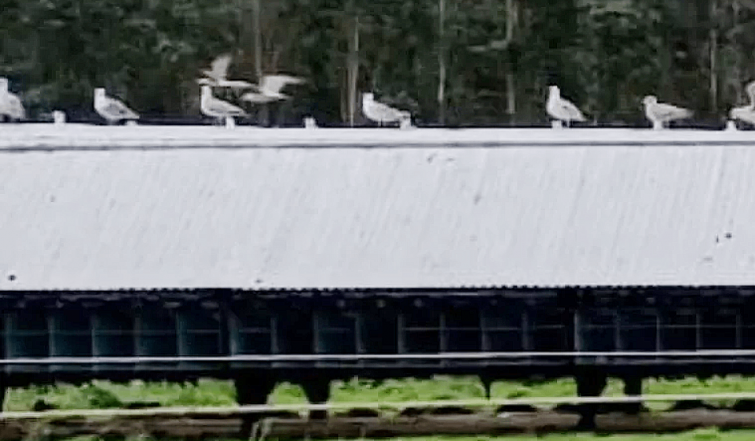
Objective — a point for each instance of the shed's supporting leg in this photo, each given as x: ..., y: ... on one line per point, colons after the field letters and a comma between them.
x: 633, y: 388
x: 590, y: 383
x: 3, y: 391
x: 487, y: 384
x: 317, y: 391
x: 252, y: 388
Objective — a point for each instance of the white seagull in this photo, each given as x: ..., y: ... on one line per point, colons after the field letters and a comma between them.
x: 381, y: 113
x: 217, y: 108
x: 746, y: 113
x: 217, y: 75
x: 660, y: 114
x: 111, y: 109
x: 562, y: 109
x: 10, y: 104
x: 270, y: 87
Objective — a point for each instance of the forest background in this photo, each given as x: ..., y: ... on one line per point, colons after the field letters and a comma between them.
x: 451, y: 62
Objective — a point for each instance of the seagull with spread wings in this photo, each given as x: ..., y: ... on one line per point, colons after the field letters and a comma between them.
x: 660, y: 114
x: 111, y: 109
x: 218, y: 73
x: 10, y: 103
x: 270, y: 88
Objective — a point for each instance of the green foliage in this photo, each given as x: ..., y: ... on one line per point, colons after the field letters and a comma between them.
x: 604, y: 54
x: 103, y: 394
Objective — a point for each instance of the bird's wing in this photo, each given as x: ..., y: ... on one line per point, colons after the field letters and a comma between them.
x: 387, y: 110
x: 118, y: 109
x: 570, y: 110
x: 236, y: 84
x: 254, y: 97
x: 668, y: 111
x: 274, y: 83
x: 207, y: 82
x: 745, y: 113
x: 219, y: 67
x: 751, y: 91
x: 223, y: 107
x: 16, y: 109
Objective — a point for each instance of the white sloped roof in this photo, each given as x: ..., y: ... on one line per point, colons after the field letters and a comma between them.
x: 500, y: 208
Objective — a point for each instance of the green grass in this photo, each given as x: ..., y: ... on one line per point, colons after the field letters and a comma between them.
x: 696, y: 435
x: 102, y: 394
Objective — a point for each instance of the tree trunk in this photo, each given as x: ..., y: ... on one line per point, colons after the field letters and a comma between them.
x: 353, y: 68
x: 441, y: 63
x: 713, y: 36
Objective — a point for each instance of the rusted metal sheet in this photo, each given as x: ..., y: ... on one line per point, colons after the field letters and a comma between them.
x: 344, y: 217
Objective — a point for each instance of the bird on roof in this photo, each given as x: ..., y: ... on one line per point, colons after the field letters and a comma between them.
x: 660, y: 114
x: 10, y: 103
x: 218, y: 73
x: 216, y: 108
x: 111, y: 109
x: 382, y: 113
x: 746, y: 113
x: 269, y: 88
x: 561, y: 109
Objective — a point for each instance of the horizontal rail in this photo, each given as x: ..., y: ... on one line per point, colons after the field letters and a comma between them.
x: 359, y: 357
x: 263, y: 408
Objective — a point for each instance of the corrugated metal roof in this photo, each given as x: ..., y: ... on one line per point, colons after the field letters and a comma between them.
x: 383, y: 217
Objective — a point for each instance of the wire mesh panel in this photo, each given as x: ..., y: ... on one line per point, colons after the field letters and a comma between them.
x: 598, y: 329
x: 718, y: 328
x: 113, y: 332
x: 27, y: 334
x: 680, y: 329
x: 335, y: 332
x: 421, y: 329
x: 379, y: 330
x: 156, y: 332
x: 638, y: 329
x: 70, y: 333
x: 551, y: 328
x: 747, y: 323
x: 462, y: 328
x: 251, y: 331
x: 294, y: 331
x: 504, y: 328
x: 199, y: 332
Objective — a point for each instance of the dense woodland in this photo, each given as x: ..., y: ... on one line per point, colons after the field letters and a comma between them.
x: 453, y: 62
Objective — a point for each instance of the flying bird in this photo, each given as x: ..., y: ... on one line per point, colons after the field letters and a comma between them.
x: 746, y: 113
x: 218, y: 73
x: 381, y: 113
x: 10, y: 104
x: 111, y: 109
x: 270, y: 88
x: 660, y: 114
x: 217, y: 108
x: 562, y: 109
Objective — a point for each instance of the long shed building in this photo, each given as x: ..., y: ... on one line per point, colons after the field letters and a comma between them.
x: 307, y: 255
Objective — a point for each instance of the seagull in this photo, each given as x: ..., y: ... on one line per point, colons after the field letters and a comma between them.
x: 269, y: 88
x: 380, y: 112
x: 217, y: 108
x: 217, y: 75
x: 745, y: 113
x: 110, y: 108
x: 661, y: 114
x: 10, y: 104
x: 310, y: 123
x: 561, y: 109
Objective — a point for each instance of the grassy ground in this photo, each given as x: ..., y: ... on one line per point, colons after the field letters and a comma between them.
x: 100, y: 394
x: 697, y: 435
